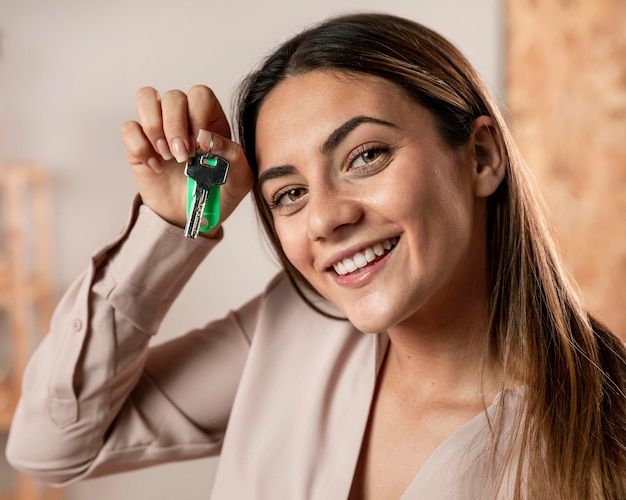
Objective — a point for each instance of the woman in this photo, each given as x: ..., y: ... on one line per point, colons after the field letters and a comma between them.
x: 394, y: 197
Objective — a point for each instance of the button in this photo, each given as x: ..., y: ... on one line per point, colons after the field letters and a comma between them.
x: 77, y: 324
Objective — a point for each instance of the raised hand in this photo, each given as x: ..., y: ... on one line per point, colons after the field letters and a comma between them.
x: 169, y: 131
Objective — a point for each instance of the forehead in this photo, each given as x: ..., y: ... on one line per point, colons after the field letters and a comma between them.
x: 304, y: 109
x: 303, y: 92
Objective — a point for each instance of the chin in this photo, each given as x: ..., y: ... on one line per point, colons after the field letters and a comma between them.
x: 359, y: 311
x: 378, y: 316
x: 368, y: 324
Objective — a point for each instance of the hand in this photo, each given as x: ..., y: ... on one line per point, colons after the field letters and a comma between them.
x: 170, y: 130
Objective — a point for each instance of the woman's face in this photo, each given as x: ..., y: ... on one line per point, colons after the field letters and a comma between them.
x: 368, y: 201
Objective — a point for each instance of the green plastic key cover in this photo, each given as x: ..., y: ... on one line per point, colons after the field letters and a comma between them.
x: 211, y: 213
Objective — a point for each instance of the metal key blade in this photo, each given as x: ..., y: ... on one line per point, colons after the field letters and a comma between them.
x: 207, y: 171
x: 192, y: 228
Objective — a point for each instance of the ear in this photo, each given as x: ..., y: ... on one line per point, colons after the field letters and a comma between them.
x: 487, y: 151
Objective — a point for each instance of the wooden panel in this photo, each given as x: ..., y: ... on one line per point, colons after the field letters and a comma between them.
x: 25, y: 294
x: 566, y: 95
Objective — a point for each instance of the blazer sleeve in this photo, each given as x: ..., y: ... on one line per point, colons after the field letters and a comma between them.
x: 96, y: 398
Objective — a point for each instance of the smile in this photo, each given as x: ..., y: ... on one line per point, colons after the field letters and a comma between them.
x: 361, y: 259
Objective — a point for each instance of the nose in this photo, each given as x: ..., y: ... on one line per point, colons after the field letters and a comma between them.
x: 330, y: 210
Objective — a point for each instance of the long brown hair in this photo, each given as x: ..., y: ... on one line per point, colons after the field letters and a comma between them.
x: 572, y: 433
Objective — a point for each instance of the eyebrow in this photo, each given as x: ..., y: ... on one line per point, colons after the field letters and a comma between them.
x: 333, y: 140
x: 341, y: 132
x: 273, y: 173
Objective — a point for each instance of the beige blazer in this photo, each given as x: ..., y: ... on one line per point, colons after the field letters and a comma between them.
x: 280, y: 392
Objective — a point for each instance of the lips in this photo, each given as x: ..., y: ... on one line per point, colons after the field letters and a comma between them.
x: 364, y: 257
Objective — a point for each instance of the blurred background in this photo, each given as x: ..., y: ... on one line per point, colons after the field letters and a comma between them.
x: 69, y: 71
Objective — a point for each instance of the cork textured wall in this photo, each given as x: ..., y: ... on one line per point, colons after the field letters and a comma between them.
x: 566, y: 99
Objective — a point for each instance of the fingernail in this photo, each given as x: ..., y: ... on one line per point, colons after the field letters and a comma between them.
x: 155, y: 164
x: 204, y: 138
x: 164, y: 149
x: 179, y: 150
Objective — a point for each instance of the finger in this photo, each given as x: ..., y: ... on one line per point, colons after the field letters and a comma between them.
x: 148, y: 103
x: 176, y: 124
x: 138, y: 148
x: 205, y: 112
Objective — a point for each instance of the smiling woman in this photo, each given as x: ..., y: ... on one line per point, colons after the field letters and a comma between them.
x: 396, y: 200
x: 331, y: 205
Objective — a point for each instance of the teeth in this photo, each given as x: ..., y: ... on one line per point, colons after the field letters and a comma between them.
x: 340, y: 268
x: 361, y: 259
x: 350, y: 265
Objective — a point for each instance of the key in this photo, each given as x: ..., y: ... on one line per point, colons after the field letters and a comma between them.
x: 205, y: 173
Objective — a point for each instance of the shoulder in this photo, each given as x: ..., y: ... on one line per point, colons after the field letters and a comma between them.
x: 281, y: 294
x: 282, y: 309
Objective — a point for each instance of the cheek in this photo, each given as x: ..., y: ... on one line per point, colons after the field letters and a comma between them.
x: 293, y: 240
x: 435, y: 208
x: 411, y: 198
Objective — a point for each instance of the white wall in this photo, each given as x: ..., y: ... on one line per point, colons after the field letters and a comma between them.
x: 69, y: 70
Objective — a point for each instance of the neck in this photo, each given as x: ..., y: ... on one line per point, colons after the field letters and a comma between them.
x: 446, y: 358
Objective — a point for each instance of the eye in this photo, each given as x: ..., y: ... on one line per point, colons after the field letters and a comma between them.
x: 287, y: 197
x: 368, y: 157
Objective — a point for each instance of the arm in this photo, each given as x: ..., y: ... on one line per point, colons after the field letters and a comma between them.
x: 96, y: 399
